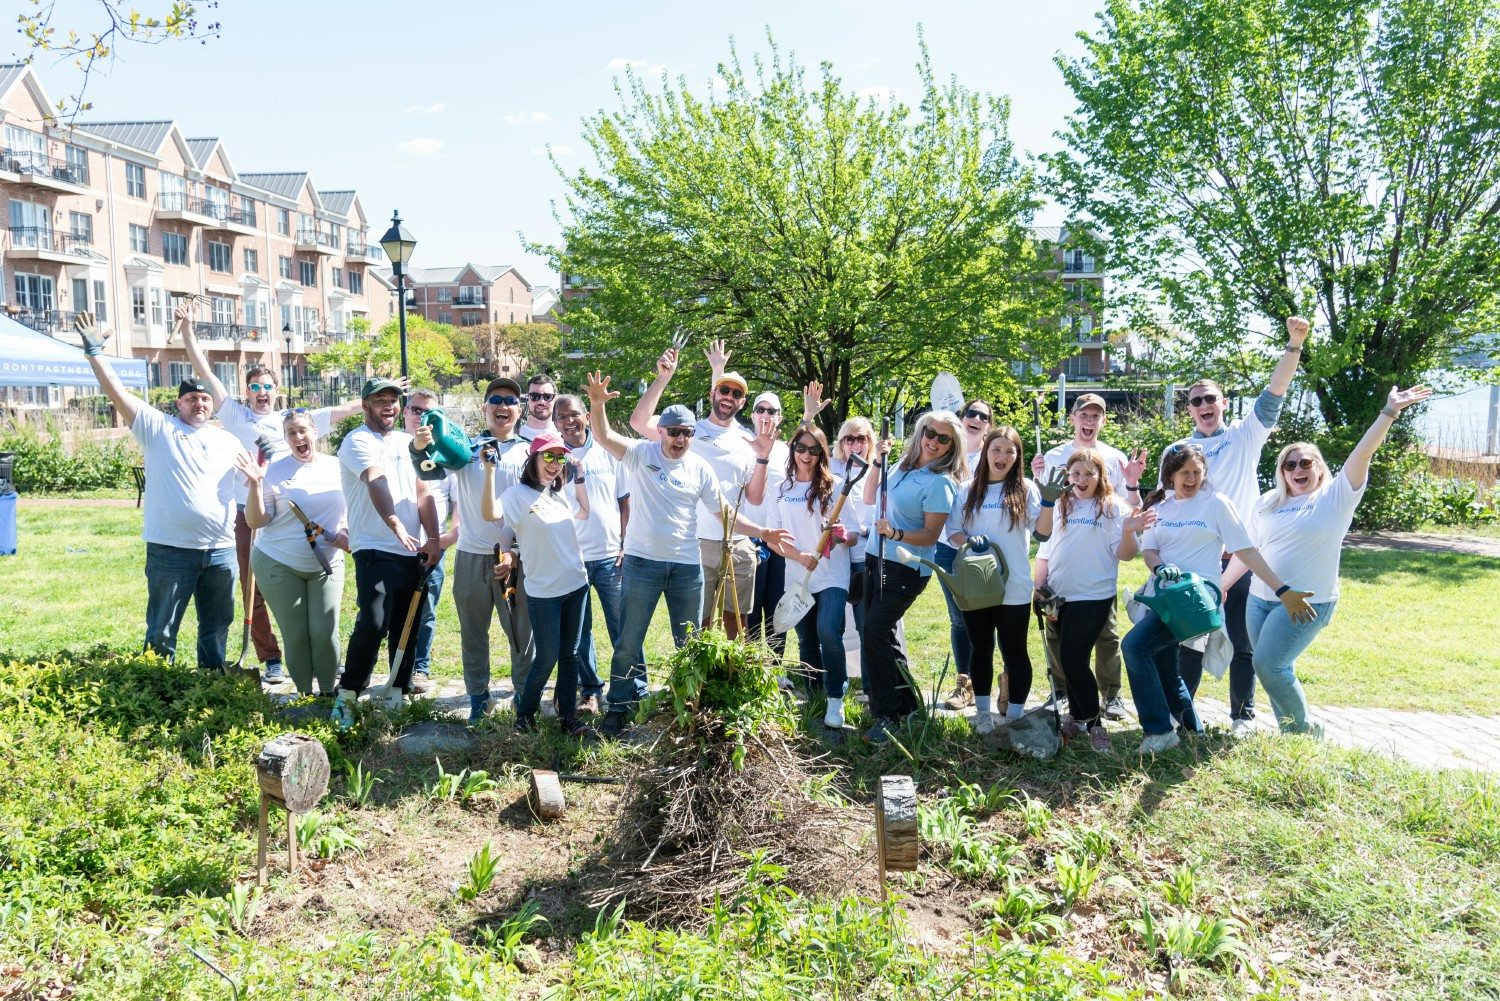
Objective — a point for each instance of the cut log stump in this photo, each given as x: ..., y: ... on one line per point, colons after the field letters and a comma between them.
x: 546, y: 794
x: 896, y: 825
x: 293, y: 771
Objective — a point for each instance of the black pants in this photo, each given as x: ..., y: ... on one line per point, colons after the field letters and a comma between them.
x: 770, y: 585
x: 384, y: 584
x: 1079, y: 624
x: 1010, y: 624
x: 882, y: 658
x: 1241, y: 666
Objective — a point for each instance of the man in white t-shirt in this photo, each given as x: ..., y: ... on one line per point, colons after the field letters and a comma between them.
x: 418, y: 402
x: 393, y: 533
x: 541, y: 396
x: 188, y: 508
x: 600, y: 537
x: 667, y: 484
x: 254, y: 423
x: 1232, y: 450
x: 1088, y: 417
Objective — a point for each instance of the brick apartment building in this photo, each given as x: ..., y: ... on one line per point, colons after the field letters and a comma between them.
x: 127, y: 218
x: 465, y: 296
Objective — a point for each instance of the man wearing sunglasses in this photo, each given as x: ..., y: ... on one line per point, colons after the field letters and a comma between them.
x: 541, y: 395
x: 418, y: 402
x: 480, y: 582
x: 1232, y: 451
x: 253, y: 421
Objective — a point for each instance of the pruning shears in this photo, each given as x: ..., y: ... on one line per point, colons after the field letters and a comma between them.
x: 312, y: 530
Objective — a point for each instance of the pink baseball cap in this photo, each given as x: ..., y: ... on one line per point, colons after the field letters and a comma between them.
x: 548, y: 441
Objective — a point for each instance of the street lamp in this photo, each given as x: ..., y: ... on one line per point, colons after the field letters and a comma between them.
x: 398, y: 245
x: 286, y: 332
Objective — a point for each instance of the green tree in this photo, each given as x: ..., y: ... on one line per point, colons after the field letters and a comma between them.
x: 539, y: 343
x: 827, y: 237
x: 1248, y: 160
x: 429, y: 351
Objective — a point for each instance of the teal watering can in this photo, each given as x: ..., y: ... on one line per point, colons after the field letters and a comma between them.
x: 977, y: 579
x: 450, y: 448
x: 1189, y: 607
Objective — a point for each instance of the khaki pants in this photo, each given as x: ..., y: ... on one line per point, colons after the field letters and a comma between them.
x: 742, y: 555
x: 1106, y: 658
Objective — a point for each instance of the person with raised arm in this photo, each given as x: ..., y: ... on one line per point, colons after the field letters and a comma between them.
x: 667, y: 486
x: 419, y: 402
x: 189, y: 505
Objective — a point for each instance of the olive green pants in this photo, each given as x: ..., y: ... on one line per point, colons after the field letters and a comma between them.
x: 306, y: 607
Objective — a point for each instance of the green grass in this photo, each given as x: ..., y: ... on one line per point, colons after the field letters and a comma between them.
x: 1412, y: 631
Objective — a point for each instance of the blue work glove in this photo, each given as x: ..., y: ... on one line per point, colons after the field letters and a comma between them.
x: 979, y: 543
x: 1168, y: 572
x: 88, y: 332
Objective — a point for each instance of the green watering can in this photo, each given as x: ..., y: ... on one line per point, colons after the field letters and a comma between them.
x: 1190, y: 606
x: 450, y: 448
x: 977, y: 579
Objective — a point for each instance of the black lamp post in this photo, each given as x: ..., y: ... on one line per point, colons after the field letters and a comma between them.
x: 286, y: 332
x: 398, y: 245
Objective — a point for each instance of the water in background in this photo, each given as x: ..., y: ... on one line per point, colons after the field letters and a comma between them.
x: 1457, y: 421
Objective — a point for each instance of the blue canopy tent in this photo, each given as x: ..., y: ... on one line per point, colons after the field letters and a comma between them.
x: 28, y: 358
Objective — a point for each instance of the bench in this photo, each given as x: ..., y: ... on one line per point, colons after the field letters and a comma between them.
x: 138, y: 474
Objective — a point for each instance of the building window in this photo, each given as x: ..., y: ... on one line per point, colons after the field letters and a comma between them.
x: 445, y: 295
x: 512, y: 294
x: 156, y: 307
x: 82, y: 226
x: 78, y: 163
x: 227, y: 372
x: 140, y: 239
x: 334, y: 235
x: 247, y: 210
x: 223, y: 312
x: 283, y: 222
x: 286, y: 317
x: 356, y: 283
x: 220, y: 257
x: 100, y: 312
x: 252, y: 261
x: 135, y: 180
x: 445, y: 317
x: 173, y: 191
x: 284, y: 266
x: 308, y: 273
x: 252, y: 313
x: 178, y: 372
x: 80, y: 294
x: 138, y: 306
x: 310, y: 319
x: 338, y: 277
x: 174, y: 248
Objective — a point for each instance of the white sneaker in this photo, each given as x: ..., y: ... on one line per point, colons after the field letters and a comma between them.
x: 984, y: 724
x: 834, y: 717
x: 1242, y: 728
x: 1315, y: 730
x: 1155, y: 743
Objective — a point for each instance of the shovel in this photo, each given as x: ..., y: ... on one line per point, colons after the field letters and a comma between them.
x: 388, y: 695
x: 247, y: 594
x: 795, y: 604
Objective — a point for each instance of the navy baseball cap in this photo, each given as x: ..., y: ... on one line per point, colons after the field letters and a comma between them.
x: 677, y: 416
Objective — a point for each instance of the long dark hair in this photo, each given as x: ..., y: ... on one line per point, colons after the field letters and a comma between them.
x: 1014, y: 492
x: 530, y: 477
x: 1173, y: 459
x: 1103, y: 493
x: 821, y: 488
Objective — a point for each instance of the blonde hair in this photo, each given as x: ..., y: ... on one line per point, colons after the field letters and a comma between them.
x: 1279, y: 494
x: 852, y: 425
x: 955, y: 462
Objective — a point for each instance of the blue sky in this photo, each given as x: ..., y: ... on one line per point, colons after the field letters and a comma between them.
x: 445, y: 109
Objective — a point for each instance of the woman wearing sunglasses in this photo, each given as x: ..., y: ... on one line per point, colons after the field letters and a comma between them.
x: 557, y: 585
x: 856, y: 439
x: 1299, y: 527
x: 976, y: 419
x: 920, y: 494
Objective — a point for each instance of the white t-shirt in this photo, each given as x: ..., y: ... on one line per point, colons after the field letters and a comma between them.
x: 1014, y: 541
x: 1114, y: 462
x: 248, y: 426
x: 1303, y: 539
x: 599, y: 534
x: 475, y: 534
x: 1233, y: 455
x: 857, y: 515
x: 727, y: 453
x: 543, y: 523
x: 528, y: 433
x: 775, y: 477
x: 1083, y: 555
x: 1193, y: 533
x: 314, y: 487
x: 788, y: 510
x: 363, y: 448
x: 664, y: 499
x: 190, y: 481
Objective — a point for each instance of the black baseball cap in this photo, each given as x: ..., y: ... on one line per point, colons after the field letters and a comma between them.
x: 191, y: 386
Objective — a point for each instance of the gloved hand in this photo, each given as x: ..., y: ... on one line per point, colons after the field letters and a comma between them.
x: 1055, y: 485
x: 978, y: 543
x: 1296, y: 605
x: 88, y: 332
x: 1168, y: 572
x: 837, y: 536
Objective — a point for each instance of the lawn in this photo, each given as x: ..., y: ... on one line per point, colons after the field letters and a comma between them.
x: 1412, y: 631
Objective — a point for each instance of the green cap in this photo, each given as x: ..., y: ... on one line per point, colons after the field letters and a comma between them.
x: 375, y: 385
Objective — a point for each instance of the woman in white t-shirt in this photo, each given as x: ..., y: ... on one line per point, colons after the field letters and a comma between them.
x: 300, y: 571
x: 1300, y: 527
x: 1000, y: 504
x: 856, y: 438
x: 1192, y: 528
x: 802, y: 504
x: 1094, y: 531
x: 557, y: 585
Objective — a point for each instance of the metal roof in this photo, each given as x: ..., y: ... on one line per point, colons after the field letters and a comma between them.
x: 9, y: 74
x: 287, y: 185
x: 144, y: 136
x: 202, y: 149
x: 337, y: 202
x: 1052, y: 234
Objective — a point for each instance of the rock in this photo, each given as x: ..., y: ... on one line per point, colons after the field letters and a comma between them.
x: 304, y: 713
x: 424, y: 740
x: 1032, y: 735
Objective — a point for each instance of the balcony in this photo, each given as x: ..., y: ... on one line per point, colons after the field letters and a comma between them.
x: 315, y: 241
x: 469, y: 301
x: 30, y: 167
x: 1074, y: 264
x: 364, y: 253
x: 33, y: 243
x: 46, y: 321
x: 230, y: 220
x: 177, y: 206
x: 212, y: 331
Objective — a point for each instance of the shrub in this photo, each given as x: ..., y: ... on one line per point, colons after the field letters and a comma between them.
x: 46, y: 465
x: 341, y: 429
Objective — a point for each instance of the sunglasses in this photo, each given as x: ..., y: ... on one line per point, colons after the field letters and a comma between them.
x: 541, y: 397
x: 813, y: 449
x: 734, y: 391
x: 678, y: 432
x: 856, y: 439
x: 419, y: 411
x: 767, y: 410
x: 502, y: 401
x: 553, y: 456
x: 262, y: 387
x: 1204, y: 400
x: 1292, y: 464
x: 942, y: 439
x: 977, y: 415
x: 1184, y: 446
x: 294, y: 410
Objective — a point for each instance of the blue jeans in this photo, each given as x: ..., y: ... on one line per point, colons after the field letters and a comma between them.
x: 1241, y: 666
x: 1278, y: 641
x: 557, y: 629
x: 1157, y: 687
x: 605, y: 578
x: 427, y: 617
x: 643, y: 583
x: 820, y: 638
x: 958, y: 632
x: 207, y: 576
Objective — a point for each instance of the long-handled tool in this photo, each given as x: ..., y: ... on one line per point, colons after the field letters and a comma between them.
x: 388, y: 694
x: 247, y: 596
x: 509, y: 594
x: 796, y: 603
x: 885, y: 465
x: 312, y: 530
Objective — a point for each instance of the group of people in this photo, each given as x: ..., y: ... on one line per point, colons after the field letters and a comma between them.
x: 720, y: 520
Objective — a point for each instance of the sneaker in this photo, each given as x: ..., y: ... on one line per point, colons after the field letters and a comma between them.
x: 1114, y: 708
x: 572, y: 726
x: 1314, y: 730
x: 421, y: 682
x: 479, y: 707
x: 1099, y: 740
x: 1056, y: 701
x: 1242, y: 728
x: 983, y: 723
x: 273, y: 673
x: 614, y: 724
x: 1155, y: 743
x: 963, y: 694
x: 588, y: 705
x: 834, y: 717
x: 343, y: 711
x: 525, y: 724
x: 880, y: 732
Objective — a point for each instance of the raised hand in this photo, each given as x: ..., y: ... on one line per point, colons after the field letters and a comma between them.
x: 1295, y: 603
x: 1139, y: 521
x: 88, y: 331
x: 1296, y: 331
x: 598, y: 388
x: 248, y: 463
x: 813, y: 403
x: 666, y: 365
x: 717, y: 355
x: 184, y: 314
x: 1038, y: 465
x: 1135, y: 466
x: 765, y: 436
x: 1055, y: 485
x: 1399, y: 399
